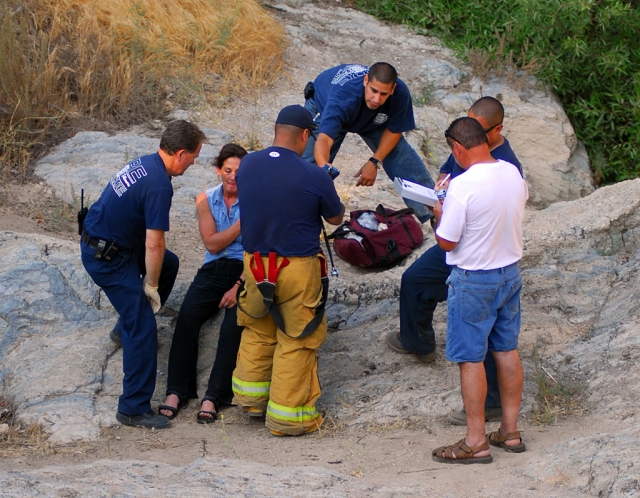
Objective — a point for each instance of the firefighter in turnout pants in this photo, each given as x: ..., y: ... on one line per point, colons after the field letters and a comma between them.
x: 283, y: 199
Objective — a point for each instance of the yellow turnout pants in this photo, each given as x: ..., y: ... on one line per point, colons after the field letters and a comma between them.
x: 277, y: 373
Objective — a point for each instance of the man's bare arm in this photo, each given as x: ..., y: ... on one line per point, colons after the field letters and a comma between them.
x: 369, y: 172
x: 337, y: 219
x: 154, y: 256
x: 322, y: 149
x: 445, y: 245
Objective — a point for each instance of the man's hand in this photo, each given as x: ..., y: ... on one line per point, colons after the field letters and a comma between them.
x: 152, y: 295
x: 437, y: 211
x: 229, y: 298
x: 367, y: 175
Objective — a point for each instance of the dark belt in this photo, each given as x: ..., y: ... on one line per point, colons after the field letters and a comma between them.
x: 105, y: 249
x: 92, y: 243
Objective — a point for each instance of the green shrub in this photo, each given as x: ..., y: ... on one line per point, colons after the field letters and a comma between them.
x: 587, y: 50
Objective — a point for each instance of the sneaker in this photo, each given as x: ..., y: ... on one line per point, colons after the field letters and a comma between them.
x: 149, y: 420
x: 393, y: 341
x: 253, y: 412
x: 491, y: 414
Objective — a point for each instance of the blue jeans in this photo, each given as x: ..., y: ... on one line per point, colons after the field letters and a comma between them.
x: 401, y: 162
x: 200, y: 304
x: 121, y: 281
x: 483, y: 312
x: 423, y: 286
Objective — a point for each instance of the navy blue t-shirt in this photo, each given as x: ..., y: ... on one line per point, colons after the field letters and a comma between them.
x: 504, y: 152
x: 339, y: 97
x: 137, y: 198
x: 282, y: 199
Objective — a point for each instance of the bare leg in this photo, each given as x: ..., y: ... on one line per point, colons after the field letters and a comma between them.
x: 510, y: 381
x: 474, y: 392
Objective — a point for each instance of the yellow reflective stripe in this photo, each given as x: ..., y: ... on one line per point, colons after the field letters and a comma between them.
x: 255, y: 389
x: 296, y: 414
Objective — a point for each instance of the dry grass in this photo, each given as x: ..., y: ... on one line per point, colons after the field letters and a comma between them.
x: 16, y: 439
x: 70, y: 63
x: 560, y: 395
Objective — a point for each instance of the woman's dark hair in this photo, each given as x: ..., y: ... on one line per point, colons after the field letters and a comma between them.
x: 227, y: 151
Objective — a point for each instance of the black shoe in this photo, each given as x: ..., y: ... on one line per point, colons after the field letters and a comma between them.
x: 149, y: 420
x: 114, y: 335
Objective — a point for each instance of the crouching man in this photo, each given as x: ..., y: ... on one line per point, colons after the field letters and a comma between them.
x: 480, y: 228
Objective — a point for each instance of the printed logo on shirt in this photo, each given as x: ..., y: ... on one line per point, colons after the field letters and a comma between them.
x: 274, y: 154
x: 380, y: 118
x: 127, y: 176
x: 348, y: 73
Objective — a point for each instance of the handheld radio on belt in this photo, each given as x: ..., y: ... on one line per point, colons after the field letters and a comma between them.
x: 82, y: 214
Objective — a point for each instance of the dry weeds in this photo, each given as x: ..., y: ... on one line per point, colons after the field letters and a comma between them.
x: 73, y: 63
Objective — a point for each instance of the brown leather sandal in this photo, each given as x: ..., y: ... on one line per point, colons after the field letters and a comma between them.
x: 461, y: 453
x: 495, y: 438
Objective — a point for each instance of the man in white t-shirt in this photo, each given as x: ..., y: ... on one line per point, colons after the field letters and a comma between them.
x: 480, y: 228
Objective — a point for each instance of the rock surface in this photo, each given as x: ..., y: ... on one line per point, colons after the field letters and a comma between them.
x: 580, y: 320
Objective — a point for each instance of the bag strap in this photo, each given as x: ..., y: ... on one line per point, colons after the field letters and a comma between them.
x: 341, y: 231
x: 401, y: 212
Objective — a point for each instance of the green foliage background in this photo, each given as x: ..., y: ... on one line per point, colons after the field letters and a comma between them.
x: 587, y: 50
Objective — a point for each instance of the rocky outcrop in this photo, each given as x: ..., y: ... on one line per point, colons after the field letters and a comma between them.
x: 202, y: 478
x: 580, y: 300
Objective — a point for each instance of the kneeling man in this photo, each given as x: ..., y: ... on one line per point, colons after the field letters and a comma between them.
x: 480, y: 228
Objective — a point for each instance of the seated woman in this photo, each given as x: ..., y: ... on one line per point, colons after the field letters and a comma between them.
x: 213, y: 288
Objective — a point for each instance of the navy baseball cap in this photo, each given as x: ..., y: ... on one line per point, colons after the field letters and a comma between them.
x: 296, y: 115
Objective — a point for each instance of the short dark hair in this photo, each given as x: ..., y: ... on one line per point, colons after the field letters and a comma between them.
x: 289, y: 130
x: 467, y: 132
x: 384, y: 73
x: 490, y: 109
x: 181, y: 134
x: 227, y: 151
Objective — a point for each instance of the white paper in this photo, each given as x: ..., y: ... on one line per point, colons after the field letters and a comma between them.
x: 415, y: 192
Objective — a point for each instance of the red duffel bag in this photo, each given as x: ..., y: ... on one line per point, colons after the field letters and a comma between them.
x: 377, y: 238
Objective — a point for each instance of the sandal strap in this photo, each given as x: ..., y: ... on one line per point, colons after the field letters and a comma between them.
x: 460, y: 450
x: 496, y: 437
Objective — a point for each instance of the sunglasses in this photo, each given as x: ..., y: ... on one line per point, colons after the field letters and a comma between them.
x: 450, y: 136
x: 494, y: 126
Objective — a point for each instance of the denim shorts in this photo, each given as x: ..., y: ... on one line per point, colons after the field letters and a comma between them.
x: 483, y: 312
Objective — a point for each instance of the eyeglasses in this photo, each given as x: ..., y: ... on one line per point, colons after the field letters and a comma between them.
x: 447, y: 134
x: 494, y: 126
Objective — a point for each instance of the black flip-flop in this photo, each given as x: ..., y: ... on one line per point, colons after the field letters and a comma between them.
x: 174, y: 411
x: 213, y: 415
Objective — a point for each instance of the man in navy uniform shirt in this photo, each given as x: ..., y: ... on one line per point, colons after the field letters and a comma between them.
x: 375, y: 104
x: 123, y: 250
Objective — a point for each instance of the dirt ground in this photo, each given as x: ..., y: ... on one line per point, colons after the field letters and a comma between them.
x: 380, y: 455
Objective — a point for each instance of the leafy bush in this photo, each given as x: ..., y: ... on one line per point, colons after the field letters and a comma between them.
x: 587, y: 50
x: 96, y: 64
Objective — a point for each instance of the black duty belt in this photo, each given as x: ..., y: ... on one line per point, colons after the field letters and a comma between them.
x: 105, y: 249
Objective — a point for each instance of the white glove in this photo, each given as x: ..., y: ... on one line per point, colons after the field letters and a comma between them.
x: 152, y: 296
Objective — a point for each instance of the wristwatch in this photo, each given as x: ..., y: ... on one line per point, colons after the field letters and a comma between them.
x: 376, y: 162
